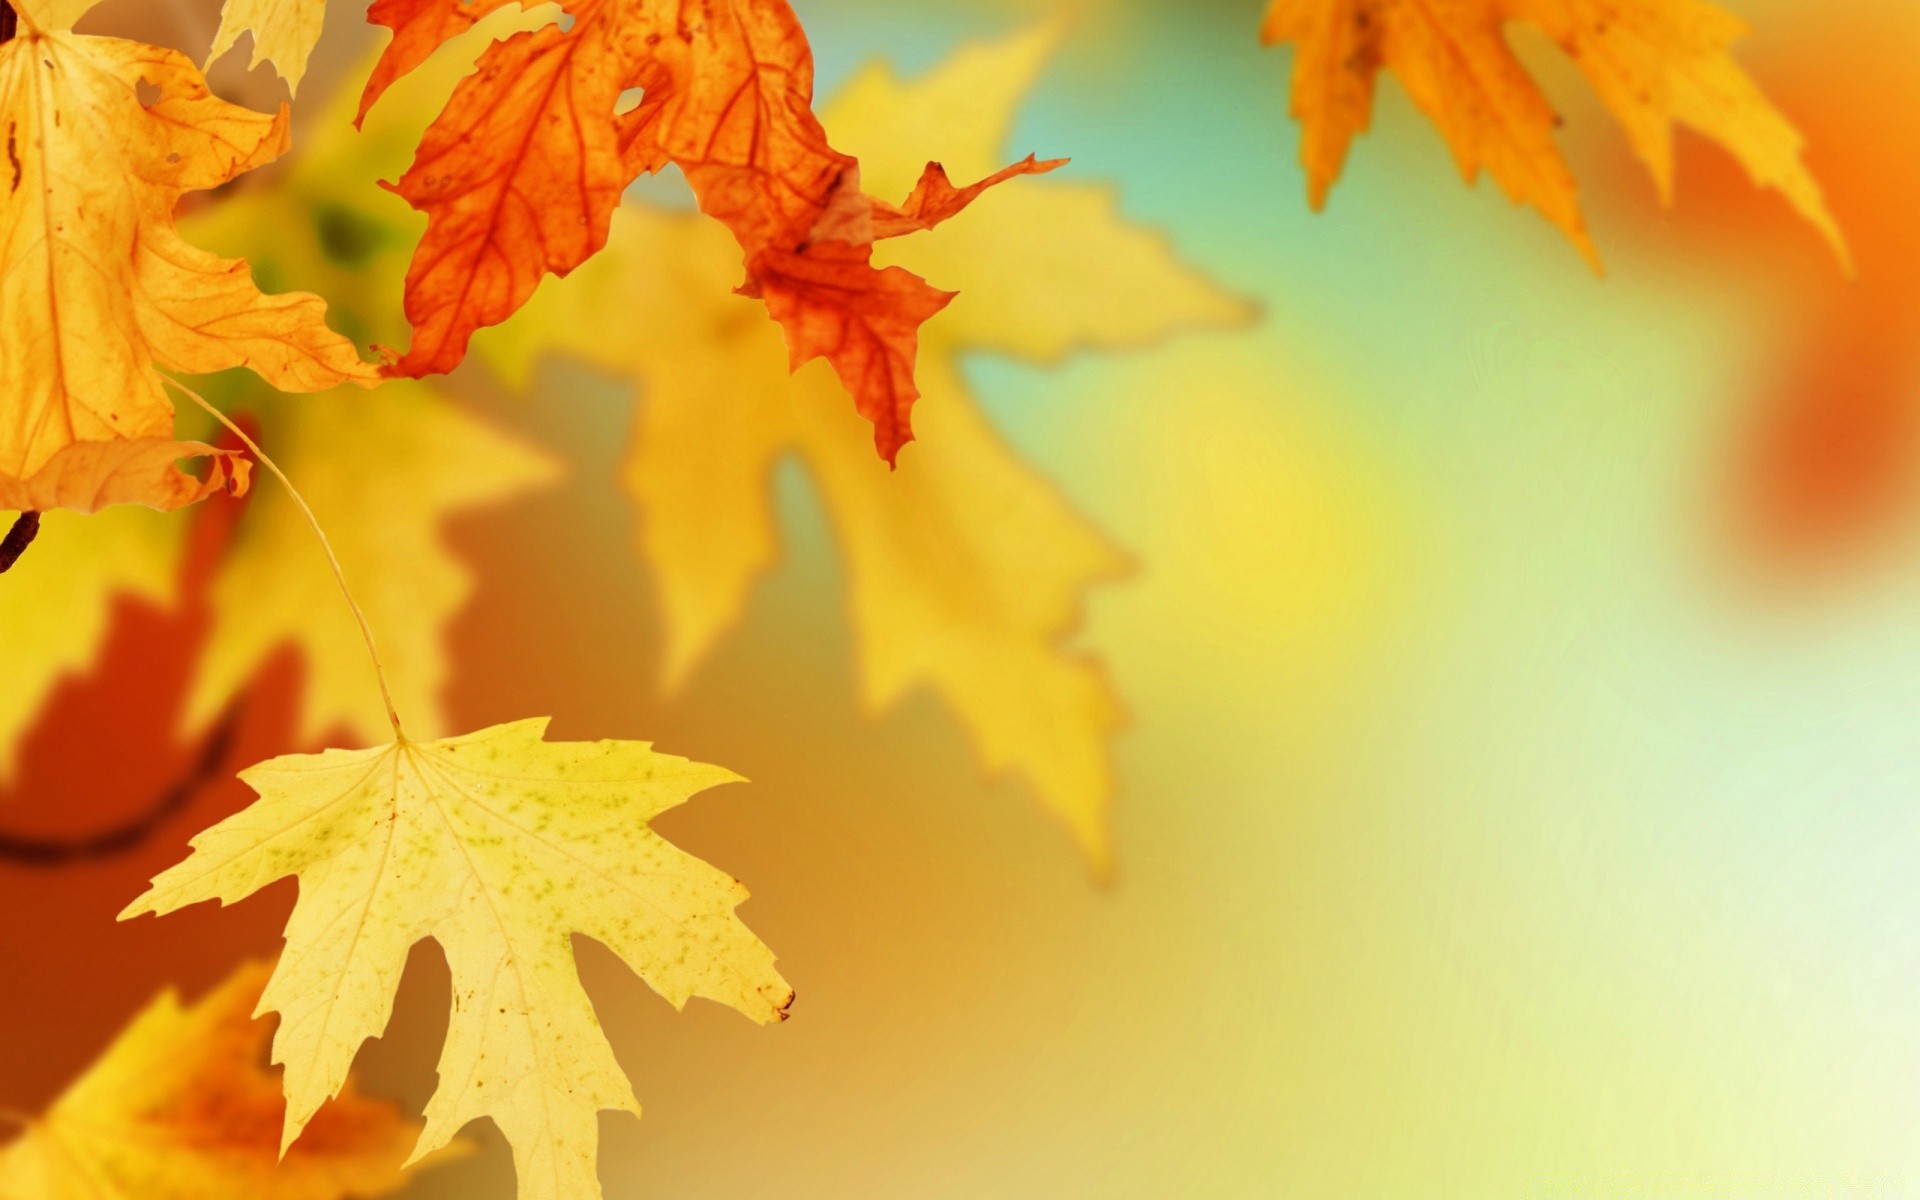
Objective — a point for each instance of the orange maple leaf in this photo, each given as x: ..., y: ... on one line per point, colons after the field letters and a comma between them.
x: 519, y: 177
x: 1654, y: 63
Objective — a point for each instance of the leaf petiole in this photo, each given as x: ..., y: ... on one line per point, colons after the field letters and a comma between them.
x: 339, y: 576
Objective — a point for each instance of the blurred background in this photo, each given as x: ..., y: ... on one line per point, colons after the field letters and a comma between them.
x: 1521, y: 671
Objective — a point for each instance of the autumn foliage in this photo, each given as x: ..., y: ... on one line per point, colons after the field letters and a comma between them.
x: 520, y: 175
x: 967, y: 572
x: 1654, y: 63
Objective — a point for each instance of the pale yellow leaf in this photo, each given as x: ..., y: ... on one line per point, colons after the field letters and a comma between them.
x: 500, y: 846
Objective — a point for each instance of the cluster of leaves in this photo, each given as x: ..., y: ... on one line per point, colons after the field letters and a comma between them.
x: 1654, y: 63
x: 966, y: 571
x: 1110, y: 285
x: 500, y: 845
x: 518, y: 176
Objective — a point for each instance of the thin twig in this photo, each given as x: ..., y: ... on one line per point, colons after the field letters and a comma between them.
x: 26, y: 527
x: 57, y: 852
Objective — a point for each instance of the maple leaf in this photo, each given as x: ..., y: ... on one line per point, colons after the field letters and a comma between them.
x: 520, y: 175
x: 284, y: 33
x: 98, y: 287
x: 965, y: 569
x: 1654, y: 63
x: 500, y: 846
x: 181, y: 1108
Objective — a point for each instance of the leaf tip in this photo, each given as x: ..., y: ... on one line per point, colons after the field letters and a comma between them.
x: 891, y: 444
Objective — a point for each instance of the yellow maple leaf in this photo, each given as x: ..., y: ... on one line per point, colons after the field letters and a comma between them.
x: 284, y: 33
x: 966, y: 570
x: 180, y: 1107
x: 56, y: 602
x: 1654, y: 63
x: 500, y: 846
x: 96, y: 286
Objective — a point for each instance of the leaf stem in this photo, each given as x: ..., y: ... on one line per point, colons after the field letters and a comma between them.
x: 339, y: 576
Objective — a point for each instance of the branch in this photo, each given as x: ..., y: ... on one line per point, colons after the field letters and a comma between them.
x: 26, y: 526
x: 55, y: 852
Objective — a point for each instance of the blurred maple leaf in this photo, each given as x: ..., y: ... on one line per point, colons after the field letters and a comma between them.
x: 1654, y: 63
x: 500, y: 846
x: 521, y: 173
x: 106, y: 288
x: 181, y: 1107
x: 966, y: 570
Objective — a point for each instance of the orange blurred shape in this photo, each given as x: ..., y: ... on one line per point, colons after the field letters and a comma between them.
x: 1829, y: 469
x: 101, y: 750
x: 1826, y: 475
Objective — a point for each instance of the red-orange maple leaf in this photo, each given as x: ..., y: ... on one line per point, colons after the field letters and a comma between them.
x: 520, y: 174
